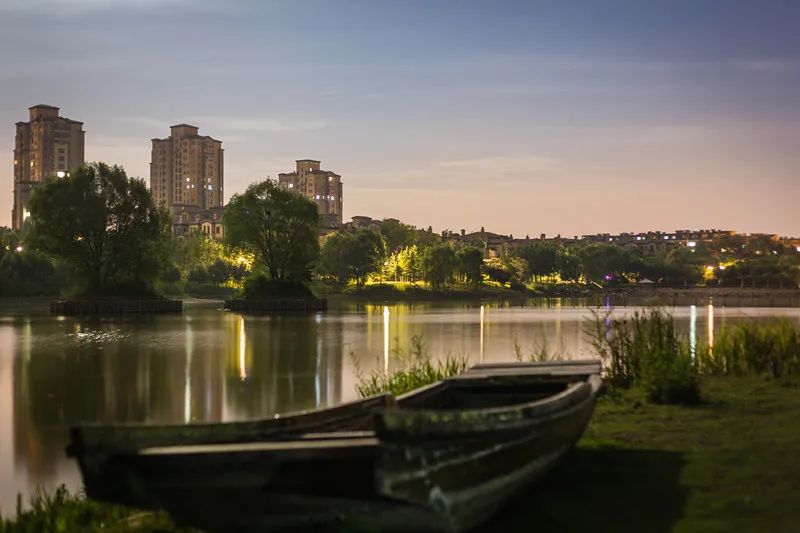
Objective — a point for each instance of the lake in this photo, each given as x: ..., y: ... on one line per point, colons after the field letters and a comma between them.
x: 207, y: 365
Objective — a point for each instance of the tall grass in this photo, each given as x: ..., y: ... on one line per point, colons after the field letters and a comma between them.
x: 62, y: 511
x: 644, y: 350
x: 770, y: 348
x: 415, y: 369
x: 539, y: 353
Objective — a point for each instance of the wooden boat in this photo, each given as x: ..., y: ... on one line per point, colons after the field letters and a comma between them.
x: 104, y: 439
x: 444, y: 458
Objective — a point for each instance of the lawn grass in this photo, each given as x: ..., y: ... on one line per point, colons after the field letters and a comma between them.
x: 731, y: 463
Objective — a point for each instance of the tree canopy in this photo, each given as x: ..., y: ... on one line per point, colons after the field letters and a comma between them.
x: 280, y: 227
x: 103, y: 227
x: 439, y: 265
x: 352, y: 255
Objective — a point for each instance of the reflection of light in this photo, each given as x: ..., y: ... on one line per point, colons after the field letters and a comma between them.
x: 710, y: 326
x: 386, y: 338
x: 692, y: 330
x: 187, y: 389
x: 242, y: 344
x: 482, y: 316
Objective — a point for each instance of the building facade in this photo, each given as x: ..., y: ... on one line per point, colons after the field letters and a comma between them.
x: 186, y: 176
x: 46, y: 146
x: 323, y: 187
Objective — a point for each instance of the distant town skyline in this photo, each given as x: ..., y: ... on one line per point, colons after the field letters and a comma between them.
x: 523, y: 117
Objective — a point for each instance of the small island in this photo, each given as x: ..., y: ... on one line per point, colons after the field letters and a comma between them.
x: 109, y: 241
x: 280, y: 229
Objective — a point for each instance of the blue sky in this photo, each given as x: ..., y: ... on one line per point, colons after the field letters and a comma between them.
x: 523, y: 117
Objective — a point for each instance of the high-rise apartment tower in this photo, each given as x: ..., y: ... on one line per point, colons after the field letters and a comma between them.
x: 322, y: 186
x: 186, y: 175
x: 46, y: 146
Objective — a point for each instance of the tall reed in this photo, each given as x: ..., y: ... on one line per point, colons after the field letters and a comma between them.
x: 771, y: 348
x: 415, y: 369
x: 645, y: 350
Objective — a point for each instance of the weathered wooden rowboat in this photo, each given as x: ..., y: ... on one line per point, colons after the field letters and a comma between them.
x: 444, y: 458
x: 89, y: 440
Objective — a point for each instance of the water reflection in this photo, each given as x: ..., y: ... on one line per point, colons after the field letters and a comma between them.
x: 208, y: 366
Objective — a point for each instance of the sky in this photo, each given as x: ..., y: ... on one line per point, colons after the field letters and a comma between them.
x: 523, y: 117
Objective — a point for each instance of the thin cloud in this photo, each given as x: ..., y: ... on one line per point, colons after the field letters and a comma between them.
x: 233, y: 124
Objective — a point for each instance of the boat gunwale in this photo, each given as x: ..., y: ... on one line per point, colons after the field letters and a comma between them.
x: 423, y: 422
x: 113, y: 438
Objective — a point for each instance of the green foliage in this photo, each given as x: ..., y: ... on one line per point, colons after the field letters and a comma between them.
x: 347, y: 256
x: 416, y: 370
x: 770, y: 271
x: 470, y: 260
x: 24, y: 272
x: 601, y: 260
x: 496, y: 270
x: 59, y: 511
x: 439, y: 265
x: 644, y: 350
x: 103, y: 228
x: 569, y: 266
x: 396, y: 234
x: 771, y: 348
x: 195, y: 250
x: 280, y: 227
x: 259, y: 286
x: 541, y: 259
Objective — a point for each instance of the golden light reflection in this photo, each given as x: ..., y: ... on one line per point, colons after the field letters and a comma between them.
x: 386, y: 338
x: 187, y: 375
x: 692, y: 330
x: 242, y: 351
x: 482, y: 319
x: 710, y: 326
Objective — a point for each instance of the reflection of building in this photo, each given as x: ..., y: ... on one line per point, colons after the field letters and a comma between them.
x: 186, y: 175
x: 321, y: 186
x: 45, y: 146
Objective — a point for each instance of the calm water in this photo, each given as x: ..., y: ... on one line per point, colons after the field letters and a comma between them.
x: 209, y: 365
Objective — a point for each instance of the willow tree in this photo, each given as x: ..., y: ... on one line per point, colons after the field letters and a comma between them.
x: 281, y: 228
x: 103, y: 227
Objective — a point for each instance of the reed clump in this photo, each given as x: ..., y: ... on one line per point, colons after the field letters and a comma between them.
x: 769, y: 348
x: 415, y: 369
x: 644, y: 350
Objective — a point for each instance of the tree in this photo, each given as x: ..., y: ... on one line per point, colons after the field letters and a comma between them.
x: 103, y: 226
x: 396, y: 234
x: 409, y: 260
x: 470, y: 260
x: 279, y: 226
x: 352, y: 255
x: 569, y: 266
x: 439, y: 264
x: 602, y: 262
x: 195, y: 250
x: 683, y: 267
x: 541, y: 258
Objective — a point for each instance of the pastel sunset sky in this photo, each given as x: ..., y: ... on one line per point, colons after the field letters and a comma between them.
x: 525, y: 117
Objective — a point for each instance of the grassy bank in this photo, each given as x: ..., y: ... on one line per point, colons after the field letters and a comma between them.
x: 728, y: 464
x: 398, y: 292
